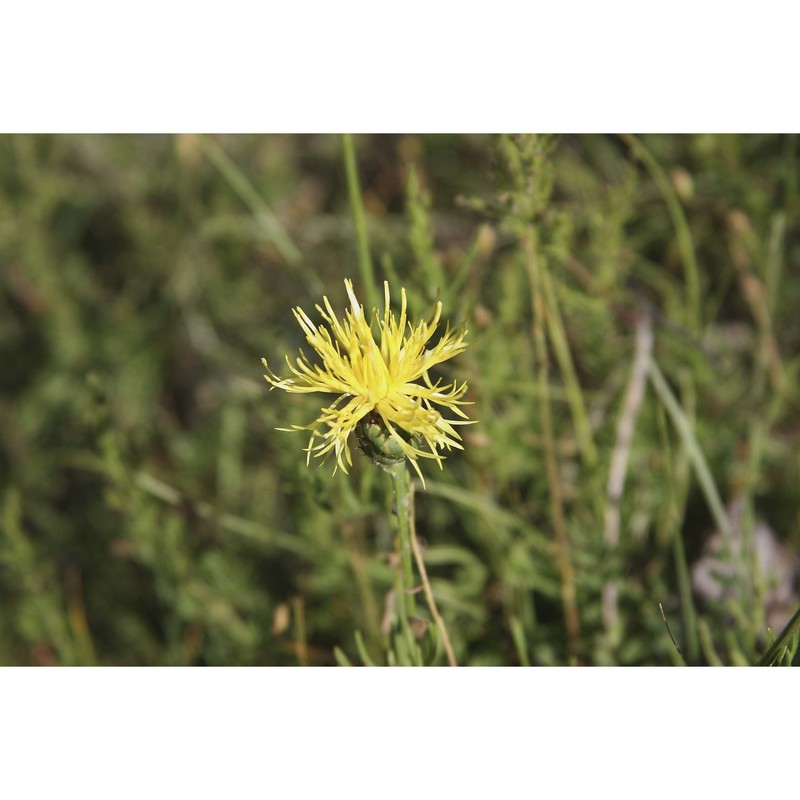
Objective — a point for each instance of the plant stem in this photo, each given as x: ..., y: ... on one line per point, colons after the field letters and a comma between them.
x: 404, y: 505
x: 677, y: 474
x: 269, y: 222
x: 682, y: 230
x: 357, y: 207
x: 558, y: 338
x: 685, y: 430
x: 403, y: 500
x: 782, y: 641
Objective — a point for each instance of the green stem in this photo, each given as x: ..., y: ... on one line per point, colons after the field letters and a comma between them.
x: 558, y: 338
x: 782, y: 641
x: 685, y: 594
x: 402, y: 503
x: 682, y: 230
x: 270, y: 224
x: 684, y: 427
x: 357, y: 206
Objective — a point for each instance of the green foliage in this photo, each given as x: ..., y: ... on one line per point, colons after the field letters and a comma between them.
x: 152, y: 514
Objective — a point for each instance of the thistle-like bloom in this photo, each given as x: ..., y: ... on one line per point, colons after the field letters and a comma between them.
x: 376, y: 382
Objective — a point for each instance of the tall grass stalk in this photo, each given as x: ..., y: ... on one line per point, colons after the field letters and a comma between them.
x: 783, y: 641
x: 272, y: 226
x: 682, y: 231
x: 687, y: 436
x: 359, y: 221
x: 558, y: 338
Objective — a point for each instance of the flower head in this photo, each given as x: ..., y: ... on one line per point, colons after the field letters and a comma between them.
x: 377, y: 381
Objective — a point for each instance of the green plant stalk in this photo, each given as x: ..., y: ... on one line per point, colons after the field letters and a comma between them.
x: 783, y: 640
x: 403, y: 499
x: 684, y: 428
x: 678, y: 480
x: 685, y: 594
x: 682, y: 230
x: 558, y: 338
x: 359, y: 222
x: 362, y: 650
x: 707, y: 643
x: 341, y: 659
x: 404, y: 506
x: 272, y: 226
x: 518, y: 635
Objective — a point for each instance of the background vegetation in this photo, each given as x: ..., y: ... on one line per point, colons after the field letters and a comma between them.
x: 632, y: 304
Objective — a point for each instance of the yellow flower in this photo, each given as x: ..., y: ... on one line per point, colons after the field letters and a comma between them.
x: 377, y: 380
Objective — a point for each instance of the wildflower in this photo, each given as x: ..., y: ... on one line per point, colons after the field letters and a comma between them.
x: 375, y: 383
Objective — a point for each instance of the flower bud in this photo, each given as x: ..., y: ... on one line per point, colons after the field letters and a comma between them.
x: 379, y: 444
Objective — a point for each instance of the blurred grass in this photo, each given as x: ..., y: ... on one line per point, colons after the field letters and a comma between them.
x: 151, y: 514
